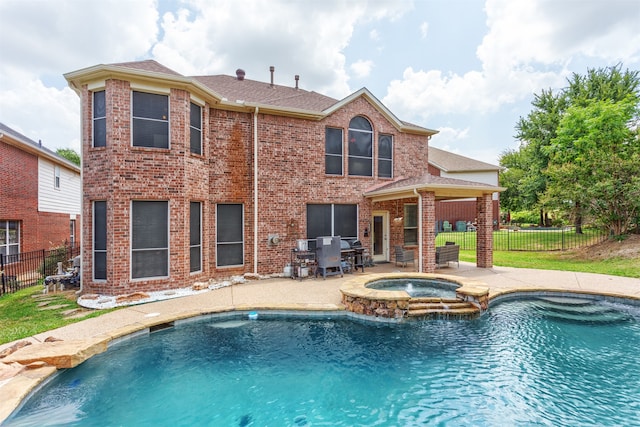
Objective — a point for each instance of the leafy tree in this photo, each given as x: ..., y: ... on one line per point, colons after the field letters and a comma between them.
x: 554, y: 171
x: 595, y: 162
x: 69, y: 154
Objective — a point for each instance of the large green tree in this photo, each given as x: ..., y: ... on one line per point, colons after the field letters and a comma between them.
x: 547, y: 157
x: 594, y: 162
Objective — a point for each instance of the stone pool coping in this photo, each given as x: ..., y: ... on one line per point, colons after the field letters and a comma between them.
x: 83, y: 339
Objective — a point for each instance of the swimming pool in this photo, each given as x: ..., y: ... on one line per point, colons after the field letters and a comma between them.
x: 519, y: 364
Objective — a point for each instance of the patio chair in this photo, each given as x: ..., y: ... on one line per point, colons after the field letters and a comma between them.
x: 403, y: 256
x: 446, y: 226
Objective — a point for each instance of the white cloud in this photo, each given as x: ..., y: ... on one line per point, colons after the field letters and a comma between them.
x: 374, y: 35
x: 529, y: 46
x: 362, y: 68
x: 424, y: 29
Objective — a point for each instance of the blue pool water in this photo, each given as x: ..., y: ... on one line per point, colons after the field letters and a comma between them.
x: 438, y: 288
x: 523, y: 363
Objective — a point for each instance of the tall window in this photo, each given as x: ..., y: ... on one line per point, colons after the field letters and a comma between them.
x: 149, y: 239
x: 385, y: 156
x: 229, y: 235
x: 72, y: 232
x: 99, y: 119
x: 56, y: 176
x: 9, y: 237
x: 333, y: 151
x: 332, y: 220
x: 195, y: 237
x: 195, y: 126
x: 360, y: 147
x: 150, y: 120
x: 410, y: 224
x: 100, y: 240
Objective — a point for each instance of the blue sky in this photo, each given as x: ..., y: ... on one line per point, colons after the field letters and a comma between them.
x: 466, y: 68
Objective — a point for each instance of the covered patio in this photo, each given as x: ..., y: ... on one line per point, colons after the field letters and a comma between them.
x: 424, y: 191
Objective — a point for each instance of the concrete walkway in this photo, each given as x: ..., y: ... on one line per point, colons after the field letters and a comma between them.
x: 76, y: 342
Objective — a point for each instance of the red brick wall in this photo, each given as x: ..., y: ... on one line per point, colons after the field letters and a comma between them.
x: 291, y: 173
x: 19, y: 202
x: 484, y: 243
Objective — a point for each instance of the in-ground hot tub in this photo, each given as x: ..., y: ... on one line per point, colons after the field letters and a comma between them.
x: 417, y: 295
x: 417, y: 287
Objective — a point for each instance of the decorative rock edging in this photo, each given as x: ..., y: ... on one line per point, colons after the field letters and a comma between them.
x: 359, y: 299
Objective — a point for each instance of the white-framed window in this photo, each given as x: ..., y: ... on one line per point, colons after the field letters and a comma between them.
x: 9, y: 237
x: 195, y: 128
x: 56, y: 177
x: 410, y: 224
x: 149, y: 239
x: 195, y: 237
x: 229, y: 235
x: 99, y: 240
x: 333, y: 163
x: 72, y: 232
x: 99, y: 121
x: 150, y: 120
x: 385, y: 156
x: 360, y: 147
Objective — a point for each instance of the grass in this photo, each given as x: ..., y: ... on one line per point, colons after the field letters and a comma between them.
x: 626, y: 267
x: 526, y: 240
x: 20, y: 316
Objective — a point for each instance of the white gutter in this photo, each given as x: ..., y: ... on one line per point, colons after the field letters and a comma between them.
x: 255, y: 191
x: 419, y: 229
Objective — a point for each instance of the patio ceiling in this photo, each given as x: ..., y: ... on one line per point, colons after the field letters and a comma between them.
x: 444, y: 188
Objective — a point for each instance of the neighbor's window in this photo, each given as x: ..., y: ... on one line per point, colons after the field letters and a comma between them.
x: 229, y: 235
x: 385, y: 156
x: 99, y: 119
x: 195, y: 126
x: 100, y: 240
x: 149, y: 239
x: 72, y: 232
x: 332, y: 220
x: 410, y: 224
x: 9, y: 237
x: 150, y: 120
x: 360, y: 147
x: 333, y: 151
x: 195, y: 237
x: 56, y: 176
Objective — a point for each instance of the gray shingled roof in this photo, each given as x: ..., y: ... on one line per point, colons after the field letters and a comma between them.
x: 450, y: 162
x: 264, y: 93
x: 36, y: 146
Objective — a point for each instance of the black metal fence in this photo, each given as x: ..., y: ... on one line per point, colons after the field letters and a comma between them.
x: 20, y: 271
x: 528, y: 239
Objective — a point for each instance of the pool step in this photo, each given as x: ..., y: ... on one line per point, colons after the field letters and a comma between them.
x: 579, y: 311
x: 440, y: 308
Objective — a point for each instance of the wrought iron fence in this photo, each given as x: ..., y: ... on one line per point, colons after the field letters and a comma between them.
x: 528, y: 239
x: 20, y: 271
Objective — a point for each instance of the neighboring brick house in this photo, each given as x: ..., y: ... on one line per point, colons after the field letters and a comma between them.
x: 446, y: 164
x: 40, y: 196
x: 189, y: 178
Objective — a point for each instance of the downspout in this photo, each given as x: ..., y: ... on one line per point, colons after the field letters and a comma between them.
x: 419, y: 230
x: 255, y: 191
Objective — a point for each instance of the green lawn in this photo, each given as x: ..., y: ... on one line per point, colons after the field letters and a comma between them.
x: 21, y: 317
x: 560, y: 261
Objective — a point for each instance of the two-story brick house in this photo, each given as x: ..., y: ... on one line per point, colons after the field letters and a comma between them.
x: 188, y: 178
x: 40, y: 196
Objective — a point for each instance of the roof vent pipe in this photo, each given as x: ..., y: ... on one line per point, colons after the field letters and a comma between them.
x: 297, y: 77
x: 240, y: 74
x: 272, y: 69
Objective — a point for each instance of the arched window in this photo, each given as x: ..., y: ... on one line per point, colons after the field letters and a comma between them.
x: 360, y: 147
